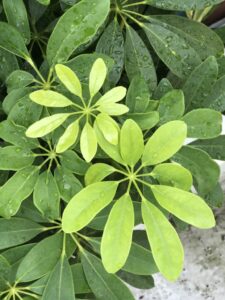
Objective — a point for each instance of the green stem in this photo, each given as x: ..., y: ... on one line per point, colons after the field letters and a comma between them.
x: 135, y: 4
x: 29, y: 294
x: 133, y: 19
x: 138, y: 189
x: 77, y: 243
x: 30, y: 61
x: 127, y: 12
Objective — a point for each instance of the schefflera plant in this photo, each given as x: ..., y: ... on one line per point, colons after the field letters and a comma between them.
x: 84, y: 112
x: 141, y: 166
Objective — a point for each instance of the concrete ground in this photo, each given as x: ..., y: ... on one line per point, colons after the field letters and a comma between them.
x: 203, y: 277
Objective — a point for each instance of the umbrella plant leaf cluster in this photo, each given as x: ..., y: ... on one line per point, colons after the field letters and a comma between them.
x: 97, y: 173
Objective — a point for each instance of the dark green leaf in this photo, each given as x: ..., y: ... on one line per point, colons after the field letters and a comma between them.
x: 17, y: 231
x: 180, y: 58
x: 203, y: 123
x: 17, y: 189
x: 60, y: 283
x: 76, y: 27
x: 204, y: 170
x: 36, y: 263
x: 103, y: 284
x: 46, y: 195
x: 138, y: 60
x: 199, y: 36
x: 12, y: 41
x: 67, y: 183
x: 17, y: 16
x: 182, y: 5
x: 15, y: 158
x: 111, y: 43
x: 171, y: 106
x: 214, y: 147
x: 200, y: 83
x: 137, y: 281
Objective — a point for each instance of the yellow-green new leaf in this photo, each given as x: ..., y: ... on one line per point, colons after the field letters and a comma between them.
x: 164, y: 143
x: 69, y: 79
x: 114, y: 95
x: 68, y: 138
x: 117, y: 235
x: 88, y: 142
x: 186, y: 206
x: 131, y: 142
x: 109, y: 128
x: 98, y: 172
x: 46, y: 125
x: 85, y: 205
x: 50, y: 99
x: 173, y: 175
x: 165, y: 244
x: 113, y: 109
x: 97, y: 76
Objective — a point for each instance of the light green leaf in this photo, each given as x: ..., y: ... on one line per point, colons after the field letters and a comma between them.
x: 36, y: 263
x: 17, y: 231
x: 114, y: 95
x: 205, y: 171
x: 108, y: 127
x: 165, y: 244
x: 171, y: 106
x: 113, y: 109
x: 46, y: 196
x: 60, y: 283
x: 17, y: 16
x: 117, y: 235
x: 103, y: 285
x: 68, y: 138
x: 50, y: 98
x: 12, y: 41
x: 15, y: 158
x: 173, y: 175
x: 111, y: 150
x: 203, y: 123
x: 97, y: 76
x: 88, y: 142
x: 68, y: 184
x: 85, y: 205
x: 185, y: 206
x: 77, y: 26
x: 17, y: 189
x: 182, y: 5
x: 138, y: 60
x: 140, y: 261
x: 131, y: 142
x: 98, y: 172
x: 46, y: 125
x: 164, y: 143
x: 69, y: 79
x: 180, y: 57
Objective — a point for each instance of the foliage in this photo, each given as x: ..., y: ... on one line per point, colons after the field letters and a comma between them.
x: 98, y: 98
